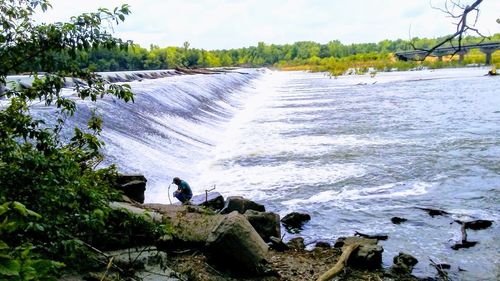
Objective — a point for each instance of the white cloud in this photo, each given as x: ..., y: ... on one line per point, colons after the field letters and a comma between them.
x: 217, y: 24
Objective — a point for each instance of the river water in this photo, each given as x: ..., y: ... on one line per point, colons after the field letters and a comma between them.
x: 355, y: 151
x: 352, y: 152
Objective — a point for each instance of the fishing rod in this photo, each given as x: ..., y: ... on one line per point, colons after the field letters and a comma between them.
x: 169, y: 200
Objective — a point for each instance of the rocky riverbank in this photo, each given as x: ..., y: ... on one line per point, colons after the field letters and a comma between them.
x: 217, y: 238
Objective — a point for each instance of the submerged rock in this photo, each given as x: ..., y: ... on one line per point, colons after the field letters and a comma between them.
x: 478, y: 224
x: 241, y: 205
x: 434, y: 212
x: 464, y: 245
x: 397, y: 220
x: 372, y: 236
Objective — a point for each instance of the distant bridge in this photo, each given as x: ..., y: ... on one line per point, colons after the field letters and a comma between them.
x: 486, y: 48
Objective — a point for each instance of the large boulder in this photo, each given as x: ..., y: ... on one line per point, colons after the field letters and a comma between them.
x: 294, y: 221
x: 133, y: 186
x: 367, y: 256
x: 235, y: 244
x: 213, y: 200
x: 403, y: 264
x: 241, y: 205
x: 267, y: 224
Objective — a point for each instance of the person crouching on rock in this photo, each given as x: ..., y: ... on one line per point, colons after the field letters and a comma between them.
x: 183, y: 192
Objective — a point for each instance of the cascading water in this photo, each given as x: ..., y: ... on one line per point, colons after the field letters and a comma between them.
x: 353, y: 151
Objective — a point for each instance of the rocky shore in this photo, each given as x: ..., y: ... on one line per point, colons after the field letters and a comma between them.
x: 217, y: 238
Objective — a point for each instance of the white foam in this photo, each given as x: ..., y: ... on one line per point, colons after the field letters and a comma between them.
x: 392, y: 190
x: 253, y: 181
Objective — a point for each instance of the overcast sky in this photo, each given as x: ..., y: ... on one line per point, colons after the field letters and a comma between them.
x: 224, y: 24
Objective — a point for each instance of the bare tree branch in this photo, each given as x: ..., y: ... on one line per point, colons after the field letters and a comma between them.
x: 456, y: 10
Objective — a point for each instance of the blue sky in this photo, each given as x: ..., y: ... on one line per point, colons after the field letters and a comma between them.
x: 223, y: 24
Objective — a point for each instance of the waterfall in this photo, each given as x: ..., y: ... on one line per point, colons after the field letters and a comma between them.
x: 172, y: 126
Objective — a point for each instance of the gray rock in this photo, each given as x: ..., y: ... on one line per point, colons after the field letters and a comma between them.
x: 235, y: 244
x: 267, y: 224
x: 148, y: 264
x: 133, y: 186
x: 241, y: 205
x: 367, y: 256
x: 403, y: 263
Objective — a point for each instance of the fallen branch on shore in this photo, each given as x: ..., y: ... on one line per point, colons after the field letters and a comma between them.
x: 341, y: 263
x: 440, y: 269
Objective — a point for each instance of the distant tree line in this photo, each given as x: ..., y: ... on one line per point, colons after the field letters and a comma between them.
x: 135, y: 57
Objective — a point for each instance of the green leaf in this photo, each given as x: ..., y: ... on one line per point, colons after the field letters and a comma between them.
x: 9, y: 267
x: 28, y: 273
x: 3, y: 209
x: 20, y: 208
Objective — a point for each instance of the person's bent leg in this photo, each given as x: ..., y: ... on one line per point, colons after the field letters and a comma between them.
x: 179, y: 196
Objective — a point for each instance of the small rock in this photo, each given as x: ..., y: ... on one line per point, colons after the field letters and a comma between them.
x: 339, y: 243
x: 295, y: 221
x: 397, y: 220
x: 240, y: 204
x: 403, y: 263
x: 267, y: 224
x: 322, y: 244
x: 277, y: 244
x: 297, y: 244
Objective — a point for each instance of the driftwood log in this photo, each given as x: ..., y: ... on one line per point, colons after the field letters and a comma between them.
x: 341, y: 263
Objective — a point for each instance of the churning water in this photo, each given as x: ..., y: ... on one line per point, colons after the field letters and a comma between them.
x: 353, y: 152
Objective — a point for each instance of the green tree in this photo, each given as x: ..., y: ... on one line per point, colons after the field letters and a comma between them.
x: 38, y: 169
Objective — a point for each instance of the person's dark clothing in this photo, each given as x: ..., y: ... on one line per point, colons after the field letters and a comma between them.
x: 183, y: 192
